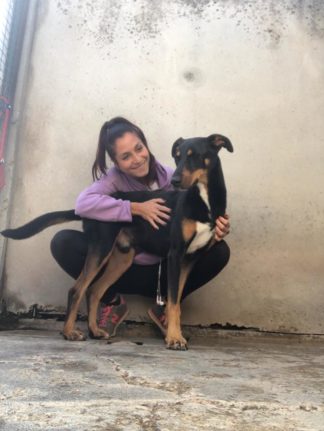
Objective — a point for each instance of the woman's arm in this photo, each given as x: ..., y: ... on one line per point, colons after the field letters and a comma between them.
x: 96, y: 203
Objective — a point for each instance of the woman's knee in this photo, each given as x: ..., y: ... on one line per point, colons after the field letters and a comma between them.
x: 224, y: 252
x: 58, y: 243
x: 215, y: 259
x: 69, y: 249
x: 65, y: 240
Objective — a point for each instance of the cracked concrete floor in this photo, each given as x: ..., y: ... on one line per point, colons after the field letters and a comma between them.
x: 222, y: 383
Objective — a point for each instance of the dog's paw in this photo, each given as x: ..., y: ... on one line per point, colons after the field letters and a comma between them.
x: 75, y: 335
x: 99, y: 334
x: 178, y: 343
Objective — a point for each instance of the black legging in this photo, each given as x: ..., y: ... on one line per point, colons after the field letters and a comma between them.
x: 69, y: 249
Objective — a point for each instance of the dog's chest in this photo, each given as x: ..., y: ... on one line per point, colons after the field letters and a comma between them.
x: 202, y: 237
x: 203, y: 232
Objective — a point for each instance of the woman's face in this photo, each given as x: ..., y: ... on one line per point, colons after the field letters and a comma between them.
x: 131, y: 155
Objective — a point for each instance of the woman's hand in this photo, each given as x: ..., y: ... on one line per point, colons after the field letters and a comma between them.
x: 154, y: 211
x: 222, y: 227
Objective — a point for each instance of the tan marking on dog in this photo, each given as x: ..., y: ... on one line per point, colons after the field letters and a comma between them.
x: 188, y: 229
x: 189, y: 152
x: 203, y: 177
x: 207, y: 162
x: 177, y: 153
x: 199, y: 175
x: 188, y: 177
x: 123, y: 241
x: 174, y: 336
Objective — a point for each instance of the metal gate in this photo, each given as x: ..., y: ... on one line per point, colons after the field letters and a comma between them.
x: 12, y: 25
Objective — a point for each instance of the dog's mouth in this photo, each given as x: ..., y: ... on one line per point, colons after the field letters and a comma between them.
x: 182, y: 188
x: 178, y: 186
x: 184, y: 185
x: 176, y: 182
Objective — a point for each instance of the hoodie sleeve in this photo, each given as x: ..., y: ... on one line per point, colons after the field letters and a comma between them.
x: 170, y: 172
x: 95, y: 203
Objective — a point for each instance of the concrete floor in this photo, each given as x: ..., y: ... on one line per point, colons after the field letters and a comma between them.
x: 226, y: 381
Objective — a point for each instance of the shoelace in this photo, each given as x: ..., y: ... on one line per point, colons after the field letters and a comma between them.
x: 160, y: 316
x: 104, y: 314
x: 163, y: 319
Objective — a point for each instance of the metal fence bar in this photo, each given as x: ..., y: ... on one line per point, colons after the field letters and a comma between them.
x: 12, y: 27
x: 6, y: 14
x: 15, y: 42
x: 14, y: 84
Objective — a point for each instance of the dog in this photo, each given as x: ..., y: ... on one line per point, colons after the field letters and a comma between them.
x: 198, y: 200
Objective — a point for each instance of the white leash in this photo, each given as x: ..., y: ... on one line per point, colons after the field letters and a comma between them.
x: 159, y: 299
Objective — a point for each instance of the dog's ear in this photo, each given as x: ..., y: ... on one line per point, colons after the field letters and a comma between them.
x: 175, y: 146
x: 219, y: 141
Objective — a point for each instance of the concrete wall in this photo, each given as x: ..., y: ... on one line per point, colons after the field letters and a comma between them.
x: 252, y: 70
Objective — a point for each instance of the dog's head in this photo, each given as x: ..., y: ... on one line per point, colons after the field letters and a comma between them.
x: 195, y: 156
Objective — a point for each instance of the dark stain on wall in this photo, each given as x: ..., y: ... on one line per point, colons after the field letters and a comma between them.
x: 193, y: 77
x: 103, y: 20
x: 189, y: 76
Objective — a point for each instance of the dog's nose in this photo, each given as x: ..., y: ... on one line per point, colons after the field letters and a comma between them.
x: 176, y: 181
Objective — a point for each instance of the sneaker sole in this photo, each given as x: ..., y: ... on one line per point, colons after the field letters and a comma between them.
x: 156, y: 321
x: 117, y: 324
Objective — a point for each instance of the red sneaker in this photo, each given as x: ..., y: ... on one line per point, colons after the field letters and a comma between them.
x: 157, y: 314
x: 111, y: 316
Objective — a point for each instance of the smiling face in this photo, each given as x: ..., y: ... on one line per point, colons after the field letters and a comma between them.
x: 131, y: 155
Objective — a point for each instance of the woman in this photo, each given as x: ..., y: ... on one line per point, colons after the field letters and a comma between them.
x: 135, y: 168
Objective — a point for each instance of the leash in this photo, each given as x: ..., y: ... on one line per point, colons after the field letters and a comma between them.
x: 159, y: 299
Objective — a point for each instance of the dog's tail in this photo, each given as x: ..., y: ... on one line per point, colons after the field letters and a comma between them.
x: 40, y: 223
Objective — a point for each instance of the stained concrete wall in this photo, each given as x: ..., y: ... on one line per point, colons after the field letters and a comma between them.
x: 252, y: 70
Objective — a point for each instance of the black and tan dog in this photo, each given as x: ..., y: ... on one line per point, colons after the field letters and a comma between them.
x: 113, y: 245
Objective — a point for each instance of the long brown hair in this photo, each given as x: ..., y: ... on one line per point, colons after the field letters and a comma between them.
x: 109, y: 132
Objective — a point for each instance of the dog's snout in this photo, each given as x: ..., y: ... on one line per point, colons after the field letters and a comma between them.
x: 176, y: 181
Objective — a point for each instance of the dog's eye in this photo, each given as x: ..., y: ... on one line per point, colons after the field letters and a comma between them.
x: 189, y: 152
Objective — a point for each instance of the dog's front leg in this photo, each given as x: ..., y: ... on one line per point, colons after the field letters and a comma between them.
x: 178, y: 271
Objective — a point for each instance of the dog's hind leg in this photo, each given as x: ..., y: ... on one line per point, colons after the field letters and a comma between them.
x: 120, y: 260
x: 91, y: 268
x: 177, y: 276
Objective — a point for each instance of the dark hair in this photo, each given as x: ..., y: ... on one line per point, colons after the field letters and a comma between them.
x: 110, y: 131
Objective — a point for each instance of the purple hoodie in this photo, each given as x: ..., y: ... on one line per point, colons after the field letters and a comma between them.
x: 95, y: 203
